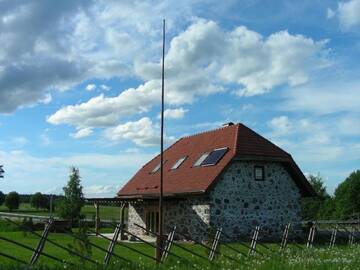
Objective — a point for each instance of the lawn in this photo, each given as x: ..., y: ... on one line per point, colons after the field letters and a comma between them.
x: 106, y: 212
x: 320, y: 257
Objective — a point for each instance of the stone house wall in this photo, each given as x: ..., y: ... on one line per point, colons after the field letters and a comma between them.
x: 237, y: 203
x: 190, y: 216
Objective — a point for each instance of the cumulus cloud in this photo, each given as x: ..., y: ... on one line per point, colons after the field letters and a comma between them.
x: 103, y: 111
x: 90, y: 87
x: 280, y: 125
x: 105, y: 87
x: 177, y: 113
x: 349, y: 13
x: 86, y: 40
x: 203, y: 60
x: 81, y: 133
x: 141, y: 132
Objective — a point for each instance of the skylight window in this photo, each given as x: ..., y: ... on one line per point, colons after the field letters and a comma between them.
x: 214, y: 157
x: 158, y: 167
x: 201, y: 159
x: 178, y: 163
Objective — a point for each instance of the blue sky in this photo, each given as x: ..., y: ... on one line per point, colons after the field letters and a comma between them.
x: 80, y: 82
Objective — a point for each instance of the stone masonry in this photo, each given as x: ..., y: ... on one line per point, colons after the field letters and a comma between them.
x: 237, y: 203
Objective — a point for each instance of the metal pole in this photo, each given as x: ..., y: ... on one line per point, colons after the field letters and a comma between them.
x: 159, y: 239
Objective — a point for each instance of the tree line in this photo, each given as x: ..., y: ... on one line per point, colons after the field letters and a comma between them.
x: 343, y: 204
x: 67, y: 206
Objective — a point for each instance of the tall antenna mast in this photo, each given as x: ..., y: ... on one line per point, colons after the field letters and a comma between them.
x: 160, y: 237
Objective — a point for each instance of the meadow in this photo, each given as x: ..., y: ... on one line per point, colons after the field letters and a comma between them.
x: 294, y: 257
x: 106, y: 212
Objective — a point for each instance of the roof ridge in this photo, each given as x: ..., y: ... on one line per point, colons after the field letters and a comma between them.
x: 236, y: 138
x: 210, y: 131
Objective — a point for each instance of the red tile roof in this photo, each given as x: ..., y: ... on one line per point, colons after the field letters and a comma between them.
x: 242, y: 143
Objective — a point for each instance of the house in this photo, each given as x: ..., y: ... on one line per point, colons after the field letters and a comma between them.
x: 230, y: 177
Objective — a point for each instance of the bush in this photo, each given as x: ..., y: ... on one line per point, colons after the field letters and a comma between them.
x: 2, y: 198
x: 12, y: 201
x: 39, y: 200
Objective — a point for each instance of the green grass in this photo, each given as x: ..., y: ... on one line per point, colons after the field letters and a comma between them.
x: 106, y: 212
x: 319, y: 258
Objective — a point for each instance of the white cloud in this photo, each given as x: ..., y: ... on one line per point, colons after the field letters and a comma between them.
x: 280, y: 125
x: 349, y: 13
x: 86, y: 40
x: 177, y: 113
x: 103, y: 111
x: 141, y: 132
x: 19, y: 142
x: 323, y: 98
x: 105, y: 87
x: 201, y: 61
x: 90, y: 87
x: 82, y: 133
x: 330, y: 13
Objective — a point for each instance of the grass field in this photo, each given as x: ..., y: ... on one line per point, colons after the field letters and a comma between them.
x: 106, y: 212
x: 342, y: 257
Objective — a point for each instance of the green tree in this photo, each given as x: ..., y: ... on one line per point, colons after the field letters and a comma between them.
x: 2, y: 198
x: 70, y: 206
x: 347, y: 196
x: 37, y: 200
x: 311, y: 206
x: 12, y: 201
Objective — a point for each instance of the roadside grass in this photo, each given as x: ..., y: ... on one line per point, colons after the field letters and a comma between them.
x: 295, y: 258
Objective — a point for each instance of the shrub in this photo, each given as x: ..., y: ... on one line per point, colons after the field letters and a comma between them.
x: 12, y: 201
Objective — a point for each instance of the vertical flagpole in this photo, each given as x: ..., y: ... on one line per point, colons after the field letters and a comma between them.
x: 159, y: 239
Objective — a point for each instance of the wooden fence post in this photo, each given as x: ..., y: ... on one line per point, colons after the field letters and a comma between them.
x: 311, y: 236
x: 285, y: 237
x: 168, y: 244
x: 97, y: 218
x: 254, y: 239
x: 333, y: 237
x: 110, y: 249
x: 215, y: 244
x: 41, y: 244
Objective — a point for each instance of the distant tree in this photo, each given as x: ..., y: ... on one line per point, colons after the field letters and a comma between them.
x: 347, y: 196
x: 2, y: 198
x: 311, y: 206
x: 39, y: 200
x: 70, y: 206
x: 12, y: 200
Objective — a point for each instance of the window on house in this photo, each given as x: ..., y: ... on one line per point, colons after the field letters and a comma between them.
x: 214, y: 157
x: 158, y: 167
x: 178, y: 163
x: 201, y: 159
x: 259, y: 173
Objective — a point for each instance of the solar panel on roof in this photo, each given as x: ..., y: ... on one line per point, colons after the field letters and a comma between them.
x: 214, y: 157
x: 201, y: 159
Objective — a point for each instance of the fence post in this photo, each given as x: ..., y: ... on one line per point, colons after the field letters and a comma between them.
x: 110, y: 249
x: 333, y: 237
x: 215, y: 244
x: 42, y: 242
x: 97, y: 218
x: 311, y: 236
x: 168, y: 244
x: 351, y: 236
x: 254, y: 238
x: 285, y: 237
